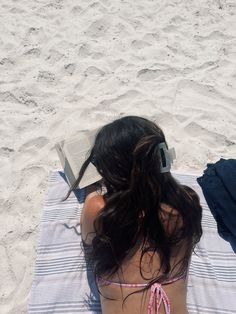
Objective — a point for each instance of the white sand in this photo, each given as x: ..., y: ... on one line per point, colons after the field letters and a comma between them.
x: 72, y: 65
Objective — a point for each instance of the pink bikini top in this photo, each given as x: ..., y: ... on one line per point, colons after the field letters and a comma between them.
x: 158, y: 294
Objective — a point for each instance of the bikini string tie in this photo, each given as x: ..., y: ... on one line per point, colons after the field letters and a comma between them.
x: 159, y: 294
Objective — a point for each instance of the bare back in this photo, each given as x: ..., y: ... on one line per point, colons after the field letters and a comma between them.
x: 112, y: 296
x: 137, y: 303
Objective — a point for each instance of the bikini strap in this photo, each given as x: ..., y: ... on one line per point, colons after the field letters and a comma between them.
x: 158, y: 295
x: 107, y: 282
x: 174, y: 279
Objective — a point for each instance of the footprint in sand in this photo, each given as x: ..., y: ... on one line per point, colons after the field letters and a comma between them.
x: 84, y: 50
x: 34, y: 36
x: 97, y: 55
x: 106, y: 104
x: 6, y: 151
x: 180, y: 118
x: 214, y: 139
x: 45, y: 76
x: 151, y: 37
x: 139, y: 44
x: 38, y: 142
x: 33, y: 174
x: 51, y: 6
x: 17, y: 11
x: 148, y: 74
x: 36, y: 52
x: 216, y: 35
x: 27, y: 99
x: 98, y: 28
x: 165, y: 73
x: 177, y: 19
x: 54, y: 56
x: 19, y: 96
x: 93, y: 71
x: 169, y: 29
x: 76, y: 10
x: 8, y: 96
x: 6, y: 62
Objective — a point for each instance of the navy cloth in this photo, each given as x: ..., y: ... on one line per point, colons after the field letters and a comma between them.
x: 218, y: 184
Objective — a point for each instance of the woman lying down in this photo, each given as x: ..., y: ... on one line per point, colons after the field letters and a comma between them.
x: 143, y: 230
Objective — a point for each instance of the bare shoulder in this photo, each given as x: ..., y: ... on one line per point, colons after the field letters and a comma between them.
x: 94, y: 199
x: 92, y: 205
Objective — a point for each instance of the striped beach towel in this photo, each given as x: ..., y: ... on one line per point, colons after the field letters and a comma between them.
x: 64, y: 284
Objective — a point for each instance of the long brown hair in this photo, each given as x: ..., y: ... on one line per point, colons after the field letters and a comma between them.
x: 127, y: 156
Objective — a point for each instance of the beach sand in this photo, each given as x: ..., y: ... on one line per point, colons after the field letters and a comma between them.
x: 70, y: 65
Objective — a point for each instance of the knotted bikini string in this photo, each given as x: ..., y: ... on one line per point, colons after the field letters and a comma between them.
x: 160, y: 295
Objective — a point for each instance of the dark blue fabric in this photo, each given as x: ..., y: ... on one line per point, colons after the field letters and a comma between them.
x: 218, y: 184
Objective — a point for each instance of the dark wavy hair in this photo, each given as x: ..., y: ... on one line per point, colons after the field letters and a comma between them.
x: 127, y: 156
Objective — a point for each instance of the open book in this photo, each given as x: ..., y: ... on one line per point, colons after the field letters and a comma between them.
x: 73, y: 152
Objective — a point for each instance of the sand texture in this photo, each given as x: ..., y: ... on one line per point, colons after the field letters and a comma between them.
x: 71, y: 65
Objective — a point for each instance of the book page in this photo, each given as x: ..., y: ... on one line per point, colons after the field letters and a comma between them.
x: 91, y: 176
x: 77, y: 150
